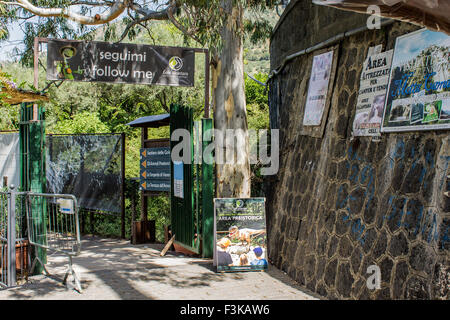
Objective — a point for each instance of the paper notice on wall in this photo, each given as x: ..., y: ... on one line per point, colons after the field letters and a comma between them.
x: 178, y: 179
x: 9, y: 159
x: 372, y: 94
x: 318, y: 89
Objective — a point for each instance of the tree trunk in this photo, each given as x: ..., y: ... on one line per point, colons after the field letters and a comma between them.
x: 233, y: 177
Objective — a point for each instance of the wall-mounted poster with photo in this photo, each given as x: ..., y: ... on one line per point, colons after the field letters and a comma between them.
x: 318, y: 89
x: 419, y: 86
x: 372, y: 94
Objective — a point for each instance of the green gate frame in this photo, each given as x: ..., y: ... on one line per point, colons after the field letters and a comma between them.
x: 32, y: 164
x: 192, y: 223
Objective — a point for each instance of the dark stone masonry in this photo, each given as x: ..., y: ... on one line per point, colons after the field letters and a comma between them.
x: 340, y: 204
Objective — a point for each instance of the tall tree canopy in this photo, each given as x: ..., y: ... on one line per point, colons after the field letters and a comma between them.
x: 219, y: 25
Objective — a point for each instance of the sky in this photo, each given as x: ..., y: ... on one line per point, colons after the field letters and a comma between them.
x: 15, y: 38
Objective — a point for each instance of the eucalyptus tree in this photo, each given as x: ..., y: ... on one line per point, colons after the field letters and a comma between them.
x: 219, y: 25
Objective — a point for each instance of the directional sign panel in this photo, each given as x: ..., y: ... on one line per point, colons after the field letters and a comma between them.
x: 155, y: 169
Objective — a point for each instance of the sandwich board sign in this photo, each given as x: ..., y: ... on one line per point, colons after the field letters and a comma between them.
x: 240, y: 239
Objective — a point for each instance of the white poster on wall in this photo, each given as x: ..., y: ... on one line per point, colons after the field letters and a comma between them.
x: 318, y: 89
x: 372, y: 94
x: 9, y: 159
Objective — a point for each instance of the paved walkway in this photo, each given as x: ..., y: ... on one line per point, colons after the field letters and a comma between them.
x: 115, y: 269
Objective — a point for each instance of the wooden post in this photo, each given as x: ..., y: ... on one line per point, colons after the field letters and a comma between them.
x: 123, y: 187
x: 207, y: 71
x: 91, y: 221
x: 144, y: 200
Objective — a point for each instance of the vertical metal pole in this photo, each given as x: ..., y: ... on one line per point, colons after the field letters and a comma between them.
x: 11, y: 238
x: 207, y: 71
x: 123, y: 186
x: 207, y: 195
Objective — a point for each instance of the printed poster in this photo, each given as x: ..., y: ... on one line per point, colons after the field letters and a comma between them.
x: 240, y: 234
x: 95, y: 61
x: 178, y: 178
x: 372, y: 94
x: 419, y: 87
x: 318, y: 89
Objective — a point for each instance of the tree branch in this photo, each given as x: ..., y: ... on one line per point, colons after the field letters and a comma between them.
x: 49, y: 84
x: 113, y: 12
x: 170, y: 13
x: 150, y: 15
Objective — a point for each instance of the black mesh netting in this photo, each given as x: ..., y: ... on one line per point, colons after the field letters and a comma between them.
x: 87, y: 166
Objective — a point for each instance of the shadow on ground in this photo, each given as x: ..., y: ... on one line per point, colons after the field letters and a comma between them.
x: 115, y: 269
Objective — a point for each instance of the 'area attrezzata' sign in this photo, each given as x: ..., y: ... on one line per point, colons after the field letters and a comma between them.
x: 120, y: 63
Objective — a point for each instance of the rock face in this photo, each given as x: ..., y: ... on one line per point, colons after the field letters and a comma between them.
x: 339, y: 205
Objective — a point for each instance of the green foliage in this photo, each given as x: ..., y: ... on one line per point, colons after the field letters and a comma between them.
x: 9, y: 115
x: 3, y: 21
x: 84, y: 122
x: 258, y: 119
x: 257, y: 102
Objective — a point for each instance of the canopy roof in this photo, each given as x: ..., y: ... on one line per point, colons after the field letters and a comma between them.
x: 16, y: 96
x: 154, y: 121
x: 433, y: 14
x: 10, y: 93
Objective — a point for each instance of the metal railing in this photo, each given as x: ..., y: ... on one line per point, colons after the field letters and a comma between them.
x: 56, y: 230
x: 44, y: 222
x: 14, y: 245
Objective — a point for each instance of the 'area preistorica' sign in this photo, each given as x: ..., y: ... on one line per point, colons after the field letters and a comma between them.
x: 120, y: 63
x: 240, y: 234
x: 418, y: 97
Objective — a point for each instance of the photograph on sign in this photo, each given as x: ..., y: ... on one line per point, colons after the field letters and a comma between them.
x: 419, y: 85
x: 318, y: 89
x: 120, y: 63
x: 372, y: 94
x: 240, y: 234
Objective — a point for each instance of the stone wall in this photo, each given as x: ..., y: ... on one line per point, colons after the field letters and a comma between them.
x: 339, y: 205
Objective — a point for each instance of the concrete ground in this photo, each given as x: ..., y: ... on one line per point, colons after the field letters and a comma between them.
x: 116, y: 270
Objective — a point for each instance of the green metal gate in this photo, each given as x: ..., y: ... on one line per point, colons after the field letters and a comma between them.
x: 32, y: 164
x: 192, y: 186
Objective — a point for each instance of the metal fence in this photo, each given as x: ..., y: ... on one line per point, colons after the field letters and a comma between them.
x: 43, y: 222
x: 56, y: 230
x: 15, y: 247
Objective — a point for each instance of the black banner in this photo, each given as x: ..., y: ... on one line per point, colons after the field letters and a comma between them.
x: 120, y: 63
